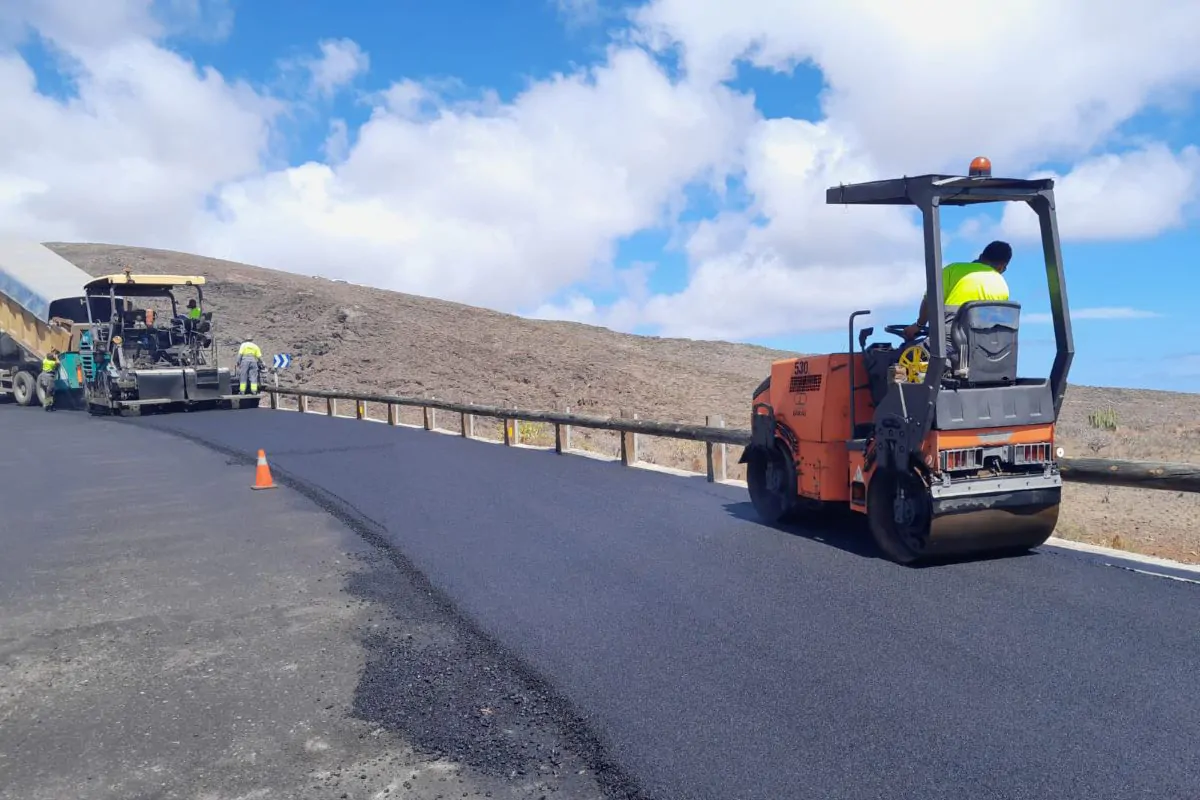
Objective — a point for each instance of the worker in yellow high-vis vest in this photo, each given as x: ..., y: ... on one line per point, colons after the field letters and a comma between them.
x: 962, y: 281
x: 249, y: 364
x: 48, y: 379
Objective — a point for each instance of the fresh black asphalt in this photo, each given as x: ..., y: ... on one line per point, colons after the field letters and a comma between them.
x: 718, y: 658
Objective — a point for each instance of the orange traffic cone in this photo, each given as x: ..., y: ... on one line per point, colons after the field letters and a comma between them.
x: 262, y: 473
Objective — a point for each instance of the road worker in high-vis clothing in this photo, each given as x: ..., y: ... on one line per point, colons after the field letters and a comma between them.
x: 249, y: 364
x: 49, y: 378
x: 964, y: 281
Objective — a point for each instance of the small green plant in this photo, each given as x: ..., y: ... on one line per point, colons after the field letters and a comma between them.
x: 1105, y: 420
x: 530, y: 432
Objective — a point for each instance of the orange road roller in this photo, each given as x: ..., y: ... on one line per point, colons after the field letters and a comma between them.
x: 935, y: 438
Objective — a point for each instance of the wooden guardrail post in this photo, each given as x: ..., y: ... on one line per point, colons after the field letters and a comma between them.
x: 427, y: 417
x: 467, y: 424
x: 511, y: 434
x: 330, y: 406
x: 302, y: 403
x: 360, y: 409
x: 274, y: 400
x: 715, y: 453
x: 393, y: 414
x: 562, y: 435
x: 629, y: 453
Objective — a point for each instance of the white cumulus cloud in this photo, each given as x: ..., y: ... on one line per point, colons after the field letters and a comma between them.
x: 931, y: 83
x: 913, y: 89
x: 1133, y: 195
x: 805, y: 268
x: 510, y: 203
x: 483, y: 202
x: 340, y: 62
x: 132, y: 158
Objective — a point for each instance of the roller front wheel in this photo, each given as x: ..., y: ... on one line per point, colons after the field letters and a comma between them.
x: 900, y: 515
x: 772, y: 488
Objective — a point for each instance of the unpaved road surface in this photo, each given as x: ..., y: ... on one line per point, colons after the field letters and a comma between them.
x: 165, y: 632
x: 724, y: 660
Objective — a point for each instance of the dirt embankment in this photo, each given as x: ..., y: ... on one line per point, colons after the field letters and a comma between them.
x: 345, y: 336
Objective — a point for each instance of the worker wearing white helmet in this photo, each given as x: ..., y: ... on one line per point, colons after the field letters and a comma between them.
x: 249, y: 364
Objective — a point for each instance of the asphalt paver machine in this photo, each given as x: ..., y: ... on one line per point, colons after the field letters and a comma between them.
x: 133, y: 361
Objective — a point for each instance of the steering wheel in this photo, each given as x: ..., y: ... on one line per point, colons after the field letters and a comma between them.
x: 898, y: 331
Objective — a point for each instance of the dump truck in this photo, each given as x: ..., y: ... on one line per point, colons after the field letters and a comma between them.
x: 42, y: 308
x: 132, y: 360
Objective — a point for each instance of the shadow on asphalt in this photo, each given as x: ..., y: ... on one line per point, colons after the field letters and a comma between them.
x: 843, y: 530
x: 847, y: 531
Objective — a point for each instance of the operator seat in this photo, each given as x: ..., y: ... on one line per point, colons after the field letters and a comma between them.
x: 198, y: 329
x: 983, y: 342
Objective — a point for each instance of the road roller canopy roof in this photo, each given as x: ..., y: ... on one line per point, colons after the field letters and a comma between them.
x: 950, y: 190
x: 928, y: 193
x: 128, y: 285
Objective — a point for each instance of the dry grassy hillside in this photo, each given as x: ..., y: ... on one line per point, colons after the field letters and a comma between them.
x: 345, y: 336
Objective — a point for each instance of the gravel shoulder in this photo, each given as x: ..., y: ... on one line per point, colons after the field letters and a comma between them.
x: 169, y: 633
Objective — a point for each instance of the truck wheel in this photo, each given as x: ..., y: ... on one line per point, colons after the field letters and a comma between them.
x: 24, y: 388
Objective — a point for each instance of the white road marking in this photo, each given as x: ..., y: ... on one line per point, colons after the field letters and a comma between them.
x: 1155, y: 574
x: 1123, y: 555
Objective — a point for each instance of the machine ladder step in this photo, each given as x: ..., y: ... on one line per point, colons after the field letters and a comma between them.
x: 87, y: 359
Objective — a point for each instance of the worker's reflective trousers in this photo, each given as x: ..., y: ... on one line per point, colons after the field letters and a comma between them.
x: 248, y: 373
x: 47, y: 380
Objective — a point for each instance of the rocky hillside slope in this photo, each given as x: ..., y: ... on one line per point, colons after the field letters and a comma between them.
x: 346, y: 336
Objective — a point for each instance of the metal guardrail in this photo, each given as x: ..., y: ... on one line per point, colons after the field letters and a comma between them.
x: 1109, y: 472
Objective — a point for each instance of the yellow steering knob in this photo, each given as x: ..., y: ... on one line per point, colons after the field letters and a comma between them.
x: 915, y: 363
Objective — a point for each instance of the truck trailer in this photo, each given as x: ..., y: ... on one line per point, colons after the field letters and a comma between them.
x: 42, y: 308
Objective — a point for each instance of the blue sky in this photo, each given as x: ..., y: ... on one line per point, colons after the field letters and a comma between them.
x: 1133, y: 292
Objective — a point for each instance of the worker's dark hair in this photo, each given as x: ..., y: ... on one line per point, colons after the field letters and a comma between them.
x: 996, y: 253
